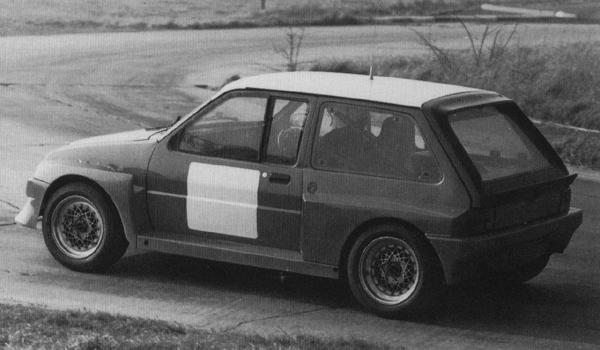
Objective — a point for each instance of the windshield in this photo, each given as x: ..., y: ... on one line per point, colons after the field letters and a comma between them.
x: 495, y: 143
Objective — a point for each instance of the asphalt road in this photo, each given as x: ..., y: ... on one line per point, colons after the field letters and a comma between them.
x: 59, y: 88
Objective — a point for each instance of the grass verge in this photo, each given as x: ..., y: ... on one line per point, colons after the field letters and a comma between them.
x: 27, y: 327
x: 555, y: 84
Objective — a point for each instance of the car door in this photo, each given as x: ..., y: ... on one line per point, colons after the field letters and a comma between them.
x: 229, y: 173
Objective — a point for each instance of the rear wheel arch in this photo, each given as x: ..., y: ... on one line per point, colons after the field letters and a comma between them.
x: 360, y: 229
x: 426, y: 292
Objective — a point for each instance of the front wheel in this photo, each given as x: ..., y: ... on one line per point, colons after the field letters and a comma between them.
x: 82, y: 229
x: 394, y: 272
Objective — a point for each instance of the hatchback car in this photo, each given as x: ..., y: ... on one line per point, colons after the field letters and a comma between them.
x: 395, y: 186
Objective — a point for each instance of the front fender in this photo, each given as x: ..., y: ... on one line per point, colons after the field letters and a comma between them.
x: 118, y: 186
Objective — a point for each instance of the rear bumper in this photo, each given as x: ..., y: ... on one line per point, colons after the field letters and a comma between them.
x: 28, y: 216
x: 465, y: 258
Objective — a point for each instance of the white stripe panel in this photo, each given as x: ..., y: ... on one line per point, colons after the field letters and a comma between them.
x: 222, y: 199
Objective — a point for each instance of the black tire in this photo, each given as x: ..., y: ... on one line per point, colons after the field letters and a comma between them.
x: 416, y: 272
x: 82, y: 229
x: 520, y: 274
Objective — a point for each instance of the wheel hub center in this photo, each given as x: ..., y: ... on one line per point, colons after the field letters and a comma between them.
x: 81, y: 227
x: 395, y: 273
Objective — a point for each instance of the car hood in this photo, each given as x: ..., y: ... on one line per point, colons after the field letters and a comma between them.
x: 121, y: 137
x: 125, y: 152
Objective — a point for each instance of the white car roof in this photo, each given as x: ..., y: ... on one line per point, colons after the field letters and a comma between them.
x: 404, y: 92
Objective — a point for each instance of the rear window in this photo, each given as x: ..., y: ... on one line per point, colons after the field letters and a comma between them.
x: 495, y: 143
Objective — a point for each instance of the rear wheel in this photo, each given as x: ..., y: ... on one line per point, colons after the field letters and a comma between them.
x: 82, y: 229
x: 394, y: 272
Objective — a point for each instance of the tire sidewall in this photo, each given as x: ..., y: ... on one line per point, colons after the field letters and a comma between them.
x: 427, y: 285
x: 96, y: 261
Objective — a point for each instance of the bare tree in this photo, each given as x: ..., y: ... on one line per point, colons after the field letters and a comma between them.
x: 442, y: 55
x: 486, y: 50
x: 496, y: 48
x: 291, y: 50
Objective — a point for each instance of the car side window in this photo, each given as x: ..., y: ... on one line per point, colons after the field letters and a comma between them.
x: 233, y: 129
x: 374, y: 142
x: 287, y: 124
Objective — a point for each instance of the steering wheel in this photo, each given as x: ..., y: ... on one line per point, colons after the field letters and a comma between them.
x: 287, y: 140
x: 196, y: 144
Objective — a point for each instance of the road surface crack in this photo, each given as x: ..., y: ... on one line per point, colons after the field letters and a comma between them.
x: 289, y: 314
x: 10, y: 204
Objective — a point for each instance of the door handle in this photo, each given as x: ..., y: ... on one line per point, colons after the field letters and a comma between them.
x: 279, y: 178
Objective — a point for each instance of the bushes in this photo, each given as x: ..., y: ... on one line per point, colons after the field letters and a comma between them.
x: 575, y: 147
x: 560, y: 84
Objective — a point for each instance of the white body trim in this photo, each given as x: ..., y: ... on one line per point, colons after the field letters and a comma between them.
x: 222, y: 199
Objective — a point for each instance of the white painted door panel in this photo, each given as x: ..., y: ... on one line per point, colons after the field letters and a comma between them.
x: 222, y: 199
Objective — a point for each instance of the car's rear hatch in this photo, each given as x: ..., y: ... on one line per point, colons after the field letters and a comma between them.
x: 513, y: 174
x: 531, y: 203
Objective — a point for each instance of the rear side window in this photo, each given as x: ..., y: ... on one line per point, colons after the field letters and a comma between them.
x: 495, y: 143
x: 371, y: 141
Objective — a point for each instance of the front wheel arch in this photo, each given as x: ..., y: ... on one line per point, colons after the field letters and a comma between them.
x: 71, y: 179
x: 65, y: 245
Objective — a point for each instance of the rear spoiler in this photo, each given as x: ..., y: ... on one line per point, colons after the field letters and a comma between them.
x: 535, y: 189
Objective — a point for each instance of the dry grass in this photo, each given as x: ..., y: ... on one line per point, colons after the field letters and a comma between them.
x: 69, y: 16
x: 43, y: 17
x: 23, y: 327
x: 575, y: 147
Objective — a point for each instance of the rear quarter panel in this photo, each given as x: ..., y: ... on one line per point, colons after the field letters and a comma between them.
x: 343, y: 203
x: 338, y: 205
